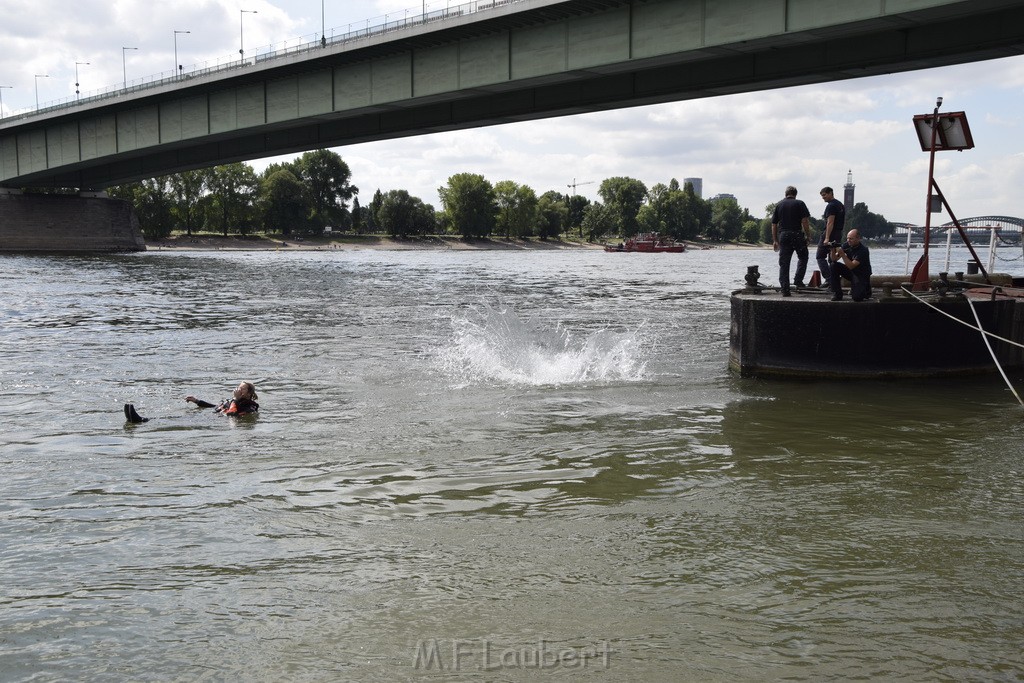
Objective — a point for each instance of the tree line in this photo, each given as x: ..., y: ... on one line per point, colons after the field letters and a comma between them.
x: 314, y: 192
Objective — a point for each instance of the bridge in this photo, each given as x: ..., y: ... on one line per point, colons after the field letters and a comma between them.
x: 490, y: 62
x: 483, y: 63
x: 977, y: 228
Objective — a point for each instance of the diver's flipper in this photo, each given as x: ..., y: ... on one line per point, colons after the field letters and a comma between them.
x: 132, y: 416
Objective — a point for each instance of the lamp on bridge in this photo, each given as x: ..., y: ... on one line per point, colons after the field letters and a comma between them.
x: 2, y: 98
x: 38, y: 76
x: 177, y: 67
x: 76, y: 76
x: 241, y: 34
x: 124, y: 68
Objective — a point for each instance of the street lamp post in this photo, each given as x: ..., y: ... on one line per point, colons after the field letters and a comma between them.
x: 76, y: 76
x: 177, y: 67
x: 124, y: 67
x: 38, y: 76
x: 2, y: 98
x: 241, y: 32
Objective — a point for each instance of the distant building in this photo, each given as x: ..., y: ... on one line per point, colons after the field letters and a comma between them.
x: 848, y: 191
x: 698, y: 185
x: 725, y: 195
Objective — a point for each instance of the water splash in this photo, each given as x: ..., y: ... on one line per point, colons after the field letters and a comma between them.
x: 494, y: 344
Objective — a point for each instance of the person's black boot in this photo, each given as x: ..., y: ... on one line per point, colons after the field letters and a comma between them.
x: 132, y: 416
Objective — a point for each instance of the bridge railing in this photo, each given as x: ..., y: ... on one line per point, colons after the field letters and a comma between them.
x: 339, y: 36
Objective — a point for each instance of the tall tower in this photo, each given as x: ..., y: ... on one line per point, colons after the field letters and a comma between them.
x: 698, y: 185
x: 848, y: 192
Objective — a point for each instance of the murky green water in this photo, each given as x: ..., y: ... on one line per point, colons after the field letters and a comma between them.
x: 514, y: 466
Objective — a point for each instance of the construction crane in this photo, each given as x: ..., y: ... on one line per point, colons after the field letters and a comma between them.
x: 573, y: 184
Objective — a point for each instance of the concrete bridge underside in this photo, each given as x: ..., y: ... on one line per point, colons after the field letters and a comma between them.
x: 527, y: 60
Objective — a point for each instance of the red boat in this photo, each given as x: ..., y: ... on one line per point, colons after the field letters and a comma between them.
x: 650, y: 242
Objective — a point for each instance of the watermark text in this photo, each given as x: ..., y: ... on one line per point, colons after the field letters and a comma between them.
x: 484, y: 655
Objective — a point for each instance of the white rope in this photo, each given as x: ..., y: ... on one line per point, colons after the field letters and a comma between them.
x: 965, y: 323
x: 992, y: 353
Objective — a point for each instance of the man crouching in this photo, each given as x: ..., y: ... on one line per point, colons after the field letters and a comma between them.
x: 852, y: 261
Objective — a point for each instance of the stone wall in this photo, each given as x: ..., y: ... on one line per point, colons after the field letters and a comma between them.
x: 47, y: 222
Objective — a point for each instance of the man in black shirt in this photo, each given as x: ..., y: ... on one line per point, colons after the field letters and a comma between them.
x: 853, y: 262
x: 835, y: 219
x: 792, y: 216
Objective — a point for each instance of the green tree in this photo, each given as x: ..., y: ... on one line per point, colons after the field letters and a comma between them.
x: 576, y: 206
x: 233, y: 189
x: 552, y: 214
x: 402, y: 215
x: 187, y: 191
x: 672, y: 211
x: 726, y: 219
x: 869, y: 224
x: 650, y: 217
x: 357, y: 216
x: 698, y: 212
x: 649, y: 220
x: 425, y: 218
x: 751, y: 231
x: 152, y: 202
x: 469, y: 203
x: 327, y: 178
x: 283, y: 202
x: 600, y: 220
x: 624, y: 196
x: 766, y: 223
x: 373, y: 214
x: 517, y: 208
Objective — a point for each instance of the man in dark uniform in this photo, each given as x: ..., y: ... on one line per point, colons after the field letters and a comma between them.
x: 792, y: 216
x: 835, y: 220
x: 853, y: 262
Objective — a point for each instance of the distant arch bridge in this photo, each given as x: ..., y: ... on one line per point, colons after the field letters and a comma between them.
x: 976, y: 227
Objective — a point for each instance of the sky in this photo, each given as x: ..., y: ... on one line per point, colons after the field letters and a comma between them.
x: 750, y: 145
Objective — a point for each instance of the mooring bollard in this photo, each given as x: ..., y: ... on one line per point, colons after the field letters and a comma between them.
x: 751, y: 279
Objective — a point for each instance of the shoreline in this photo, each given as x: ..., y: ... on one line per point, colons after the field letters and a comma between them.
x: 206, y: 242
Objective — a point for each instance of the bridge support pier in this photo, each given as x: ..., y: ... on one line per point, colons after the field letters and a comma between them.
x: 90, y: 222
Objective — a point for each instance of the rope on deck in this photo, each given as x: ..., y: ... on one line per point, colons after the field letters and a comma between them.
x: 992, y: 353
x: 965, y: 323
x: 985, y: 334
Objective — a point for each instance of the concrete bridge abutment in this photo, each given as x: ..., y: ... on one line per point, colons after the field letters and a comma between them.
x: 90, y: 222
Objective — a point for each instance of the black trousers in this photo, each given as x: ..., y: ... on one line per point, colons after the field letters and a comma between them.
x: 790, y: 241
x: 860, y: 283
x: 824, y: 258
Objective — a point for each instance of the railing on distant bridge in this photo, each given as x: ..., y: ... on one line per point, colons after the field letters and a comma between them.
x: 1005, y: 228
x: 304, y: 44
x: 989, y: 231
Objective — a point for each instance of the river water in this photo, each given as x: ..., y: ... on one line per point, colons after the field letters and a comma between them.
x: 492, y: 465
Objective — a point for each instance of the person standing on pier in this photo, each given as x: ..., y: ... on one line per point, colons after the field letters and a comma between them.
x: 853, y: 262
x: 835, y: 219
x: 792, y: 216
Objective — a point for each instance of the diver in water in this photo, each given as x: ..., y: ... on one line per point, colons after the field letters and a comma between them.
x: 242, y: 402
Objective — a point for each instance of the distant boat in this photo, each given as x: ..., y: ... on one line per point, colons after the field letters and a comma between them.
x: 651, y: 243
